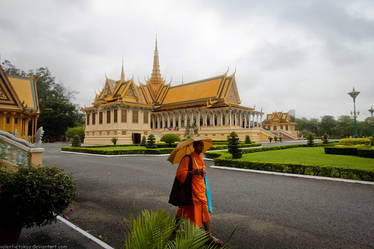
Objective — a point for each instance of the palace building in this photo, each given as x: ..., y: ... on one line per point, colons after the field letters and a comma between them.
x: 19, y: 106
x: 279, y: 123
x: 129, y: 111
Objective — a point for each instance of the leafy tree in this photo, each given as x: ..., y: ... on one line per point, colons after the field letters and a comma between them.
x: 270, y: 139
x: 328, y: 123
x: 280, y: 139
x: 151, y: 141
x: 275, y: 139
x: 72, y: 131
x: 248, y: 139
x: 57, y: 112
x: 233, y: 145
x: 170, y: 138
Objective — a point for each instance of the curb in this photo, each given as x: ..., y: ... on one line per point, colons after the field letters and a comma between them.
x: 293, y: 175
x: 123, y: 155
x: 84, y: 233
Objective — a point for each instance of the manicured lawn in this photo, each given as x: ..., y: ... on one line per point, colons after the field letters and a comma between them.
x: 310, y: 156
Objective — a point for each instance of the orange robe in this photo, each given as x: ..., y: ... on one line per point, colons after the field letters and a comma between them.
x: 198, y: 212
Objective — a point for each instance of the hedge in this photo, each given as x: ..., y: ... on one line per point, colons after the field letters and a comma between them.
x: 353, y: 141
x: 302, y: 169
x: 354, y: 151
x: 117, y: 152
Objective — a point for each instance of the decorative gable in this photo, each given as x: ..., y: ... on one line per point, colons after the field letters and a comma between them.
x: 233, y: 94
x: 8, y: 95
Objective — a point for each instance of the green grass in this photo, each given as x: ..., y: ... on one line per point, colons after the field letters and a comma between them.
x: 310, y: 156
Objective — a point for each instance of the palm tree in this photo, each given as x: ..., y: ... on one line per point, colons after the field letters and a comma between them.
x: 156, y: 230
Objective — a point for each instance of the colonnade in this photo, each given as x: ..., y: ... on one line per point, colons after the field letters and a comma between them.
x: 206, y: 118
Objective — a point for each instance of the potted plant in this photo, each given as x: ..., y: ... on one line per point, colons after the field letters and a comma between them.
x: 32, y: 197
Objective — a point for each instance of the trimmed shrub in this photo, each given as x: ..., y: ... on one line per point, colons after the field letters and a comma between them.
x: 280, y: 139
x: 247, y: 139
x: 76, y: 142
x: 170, y: 138
x: 233, y: 145
x: 304, y: 169
x: 354, y: 141
x: 341, y: 150
x: 270, y: 139
x: 310, y: 139
x: 114, y: 140
x: 372, y: 141
x: 144, y: 141
x: 72, y: 131
x: 275, y: 139
x: 365, y: 152
x: 151, y: 141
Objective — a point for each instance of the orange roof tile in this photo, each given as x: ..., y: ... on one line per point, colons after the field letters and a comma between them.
x: 194, y: 91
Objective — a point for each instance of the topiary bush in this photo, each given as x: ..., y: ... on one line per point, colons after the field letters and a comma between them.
x: 144, y: 141
x: 151, y: 141
x: 310, y: 139
x: 270, y: 139
x: 72, y: 131
x: 233, y: 145
x: 170, y: 138
x: 76, y: 142
x: 114, y: 140
x: 247, y: 139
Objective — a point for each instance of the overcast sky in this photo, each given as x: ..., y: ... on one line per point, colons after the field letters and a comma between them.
x: 291, y: 54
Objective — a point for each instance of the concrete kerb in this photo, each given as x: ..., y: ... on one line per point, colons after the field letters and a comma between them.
x: 84, y: 233
x: 293, y: 175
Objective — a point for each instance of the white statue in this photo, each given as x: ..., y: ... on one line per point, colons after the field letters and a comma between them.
x: 39, y: 136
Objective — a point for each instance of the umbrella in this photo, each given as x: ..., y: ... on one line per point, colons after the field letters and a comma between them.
x: 186, y: 147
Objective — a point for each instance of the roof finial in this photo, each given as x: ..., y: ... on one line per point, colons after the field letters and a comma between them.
x: 122, y: 73
x: 235, y: 70
x: 156, y: 75
x: 228, y: 68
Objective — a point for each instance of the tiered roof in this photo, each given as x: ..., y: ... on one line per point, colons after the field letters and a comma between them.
x: 218, y: 91
x: 18, y: 94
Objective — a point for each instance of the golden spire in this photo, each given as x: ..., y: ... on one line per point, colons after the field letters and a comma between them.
x: 156, y: 75
x: 122, y: 73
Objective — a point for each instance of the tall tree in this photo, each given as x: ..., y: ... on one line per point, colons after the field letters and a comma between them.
x: 57, y: 112
x: 327, y: 125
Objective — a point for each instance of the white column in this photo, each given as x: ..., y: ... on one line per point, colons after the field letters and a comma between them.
x: 230, y: 116
x: 198, y: 118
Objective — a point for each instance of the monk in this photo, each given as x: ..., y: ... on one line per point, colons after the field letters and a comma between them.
x: 198, y: 212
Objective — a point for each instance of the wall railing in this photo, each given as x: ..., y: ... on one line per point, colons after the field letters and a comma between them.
x: 16, y: 151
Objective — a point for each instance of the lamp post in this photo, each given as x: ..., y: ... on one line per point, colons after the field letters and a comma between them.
x: 371, y: 120
x: 354, y: 94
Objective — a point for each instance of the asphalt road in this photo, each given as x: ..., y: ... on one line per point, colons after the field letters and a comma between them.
x: 270, y: 211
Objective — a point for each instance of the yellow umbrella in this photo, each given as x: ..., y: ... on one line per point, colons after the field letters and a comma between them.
x: 186, y: 147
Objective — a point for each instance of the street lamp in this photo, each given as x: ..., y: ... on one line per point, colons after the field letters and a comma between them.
x: 371, y: 120
x: 354, y: 94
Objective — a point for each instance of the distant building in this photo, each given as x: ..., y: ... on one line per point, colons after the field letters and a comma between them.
x: 128, y: 111
x: 19, y: 105
x: 279, y: 123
